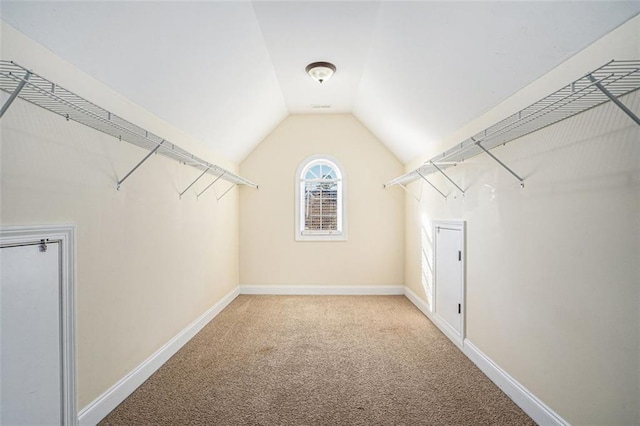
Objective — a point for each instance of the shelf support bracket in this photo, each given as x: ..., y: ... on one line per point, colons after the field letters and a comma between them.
x: 408, y: 192
x: 225, y: 192
x: 138, y: 165
x: 211, y: 184
x: 193, y: 183
x: 448, y: 178
x: 432, y: 185
x: 15, y: 93
x: 500, y: 162
x: 615, y: 100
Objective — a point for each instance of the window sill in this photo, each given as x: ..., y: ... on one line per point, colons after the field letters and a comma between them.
x: 321, y: 237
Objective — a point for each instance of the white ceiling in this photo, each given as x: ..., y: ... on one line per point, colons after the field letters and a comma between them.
x: 229, y: 72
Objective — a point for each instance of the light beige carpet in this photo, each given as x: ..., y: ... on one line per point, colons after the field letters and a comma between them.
x: 318, y: 360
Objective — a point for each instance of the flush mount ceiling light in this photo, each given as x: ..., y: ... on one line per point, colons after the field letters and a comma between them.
x: 321, y: 71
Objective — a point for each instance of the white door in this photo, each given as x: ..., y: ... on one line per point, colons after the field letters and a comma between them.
x: 31, y: 344
x: 449, y: 276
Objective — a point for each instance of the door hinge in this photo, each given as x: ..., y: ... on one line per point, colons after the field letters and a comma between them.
x: 459, y: 308
x: 459, y: 255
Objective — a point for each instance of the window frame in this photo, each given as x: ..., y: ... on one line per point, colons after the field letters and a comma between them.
x: 299, y: 184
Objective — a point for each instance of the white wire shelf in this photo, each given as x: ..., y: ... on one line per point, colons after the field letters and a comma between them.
x: 609, y: 82
x: 20, y: 82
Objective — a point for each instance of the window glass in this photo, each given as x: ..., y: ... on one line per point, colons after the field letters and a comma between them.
x: 320, y: 199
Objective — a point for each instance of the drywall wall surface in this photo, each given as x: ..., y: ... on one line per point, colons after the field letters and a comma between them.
x: 374, y: 251
x: 553, y: 268
x: 423, y: 204
x: 148, y: 263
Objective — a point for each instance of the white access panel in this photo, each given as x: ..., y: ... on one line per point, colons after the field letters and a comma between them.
x: 449, y: 277
x: 30, y: 345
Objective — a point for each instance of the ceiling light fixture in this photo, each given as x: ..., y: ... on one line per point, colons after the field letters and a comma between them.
x: 321, y: 71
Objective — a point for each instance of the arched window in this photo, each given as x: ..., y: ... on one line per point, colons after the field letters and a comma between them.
x: 320, y: 212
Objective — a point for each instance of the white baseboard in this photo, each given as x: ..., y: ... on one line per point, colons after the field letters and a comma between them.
x: 527, y: 401
x: 105, y: 403
x: 418, y: 301
x: 446, y: 329
x: 324, y: 290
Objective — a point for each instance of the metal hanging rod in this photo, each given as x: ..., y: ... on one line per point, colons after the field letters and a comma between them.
x: 20, y: 82
x: 607, y: 83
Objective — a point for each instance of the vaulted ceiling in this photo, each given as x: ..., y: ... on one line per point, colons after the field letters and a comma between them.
x: 229, y: 72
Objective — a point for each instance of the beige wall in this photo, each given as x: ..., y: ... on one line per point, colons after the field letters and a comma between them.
x: 553, y: 269
x: 374, y: 252
x: 148, y: 264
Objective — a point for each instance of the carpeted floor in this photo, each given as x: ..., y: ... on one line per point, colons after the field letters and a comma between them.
x: 318, y: 360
